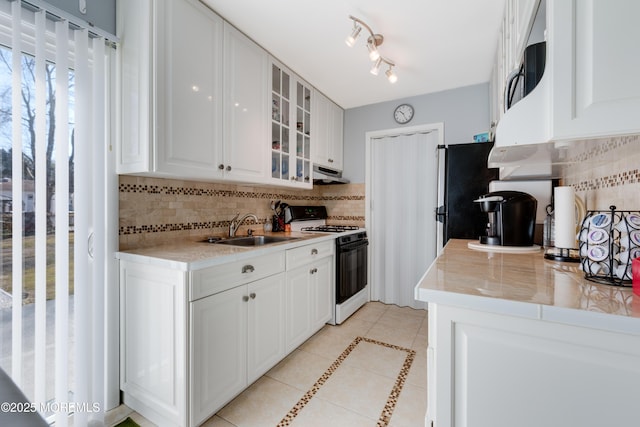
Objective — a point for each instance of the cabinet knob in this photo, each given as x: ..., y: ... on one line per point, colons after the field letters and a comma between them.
x: 245, y: 298
x: 228, y: 168
x: 314, y: 251
x: 293, y: 178
x: 248, y: 269
x: 330, y: 160
x: 313, y: 271
x: 221, y: 166
x: 252, y: 295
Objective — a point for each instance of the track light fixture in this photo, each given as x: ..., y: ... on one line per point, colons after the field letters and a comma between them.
x: 373, y: 41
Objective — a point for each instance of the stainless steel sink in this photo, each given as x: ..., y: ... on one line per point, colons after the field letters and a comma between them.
x: 254, y: 240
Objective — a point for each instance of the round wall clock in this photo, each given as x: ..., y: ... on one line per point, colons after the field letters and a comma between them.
x: 403, y: 113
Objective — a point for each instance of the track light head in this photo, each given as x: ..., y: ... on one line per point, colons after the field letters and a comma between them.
x: 373, y: 51
x: 391, y: 76
x: 351, y: 40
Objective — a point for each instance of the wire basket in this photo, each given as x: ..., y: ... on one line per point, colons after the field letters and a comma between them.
x: 609, y: 241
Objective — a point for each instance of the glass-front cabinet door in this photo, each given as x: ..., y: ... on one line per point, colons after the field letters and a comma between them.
x: 290, y: 128
x: 303, y: 133
x: 280, y: 121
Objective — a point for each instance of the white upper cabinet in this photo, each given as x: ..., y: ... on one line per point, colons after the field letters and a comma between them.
x: 197, y: 100
x: 590, y: 87
x: 596, y: 91
x: 189, y: 83
x: 172, y: 96
x: 290, y: 128
x: 523, y: 14
x: 246, y: 71
x: 134, y: 27
x: 516, y: 25
x: 328, y: 119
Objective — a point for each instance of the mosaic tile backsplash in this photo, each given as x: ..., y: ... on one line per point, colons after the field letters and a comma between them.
x: 155, y: 211
x: 608, y: 174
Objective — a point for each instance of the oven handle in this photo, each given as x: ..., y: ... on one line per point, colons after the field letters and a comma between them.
x: 353, y: 245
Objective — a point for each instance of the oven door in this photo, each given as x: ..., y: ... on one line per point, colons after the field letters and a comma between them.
x: 351, y: 269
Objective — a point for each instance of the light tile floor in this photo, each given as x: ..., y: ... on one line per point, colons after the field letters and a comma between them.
x: 355, y: 393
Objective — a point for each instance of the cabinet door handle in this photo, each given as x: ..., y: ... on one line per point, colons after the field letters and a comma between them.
x: 228, y: 168
x: 248, y: 269
x: 220, y: 166
x: 245, y: 298
x: 330, y: 160
x: 314, y: 251
x: 252, y: 295
x: 313, y: 271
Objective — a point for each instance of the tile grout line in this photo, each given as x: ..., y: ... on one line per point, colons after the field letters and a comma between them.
x: 392, y: 400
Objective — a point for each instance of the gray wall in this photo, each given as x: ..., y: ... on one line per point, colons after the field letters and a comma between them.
x: 464, y: 112
x: 101, y: 13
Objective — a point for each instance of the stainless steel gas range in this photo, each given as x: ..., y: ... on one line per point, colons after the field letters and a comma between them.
x: 351, y: 291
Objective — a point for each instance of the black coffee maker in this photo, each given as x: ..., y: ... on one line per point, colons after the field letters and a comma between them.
x: 512, y: 218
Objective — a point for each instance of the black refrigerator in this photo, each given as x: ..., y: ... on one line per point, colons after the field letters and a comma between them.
x: 463, y: 177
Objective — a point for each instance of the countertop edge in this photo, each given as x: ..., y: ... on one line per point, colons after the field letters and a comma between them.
x: 153, y: 256
x: 575, y: 316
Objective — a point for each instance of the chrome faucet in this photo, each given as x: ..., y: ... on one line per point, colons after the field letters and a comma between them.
x: 236, y: 223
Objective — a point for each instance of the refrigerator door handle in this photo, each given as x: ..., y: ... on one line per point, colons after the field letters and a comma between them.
x: 441, y: 213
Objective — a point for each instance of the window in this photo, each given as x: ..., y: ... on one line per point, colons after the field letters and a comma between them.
x: 54, y: 99
x: 27, y: 239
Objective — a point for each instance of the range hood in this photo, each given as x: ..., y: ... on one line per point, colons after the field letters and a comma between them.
x: 545, y: 161
x: 326, y: 176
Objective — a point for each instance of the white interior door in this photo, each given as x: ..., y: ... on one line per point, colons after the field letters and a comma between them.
x: 402, y: 195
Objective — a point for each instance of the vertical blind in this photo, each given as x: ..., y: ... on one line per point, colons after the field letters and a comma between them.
x: 54, y: 98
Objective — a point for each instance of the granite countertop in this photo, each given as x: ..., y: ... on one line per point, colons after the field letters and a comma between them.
x: 195, y: 255
x: 527, y: 285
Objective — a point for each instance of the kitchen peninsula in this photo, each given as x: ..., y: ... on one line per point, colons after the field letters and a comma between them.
x: 515, y: 339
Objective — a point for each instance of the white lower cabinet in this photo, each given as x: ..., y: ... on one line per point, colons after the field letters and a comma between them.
x: 298, y: 323
x: 495, y: 370
x: 153, y: 342
x: 310, y: 279
x: 237, y: 336
x: 218, y: 322
x: 322, y: 280
x: 190, y: 341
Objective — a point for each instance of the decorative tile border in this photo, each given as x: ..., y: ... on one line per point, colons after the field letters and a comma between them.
x: 387, y: 411
x: 604, y: 147
x: 161, y: 228
x: 213, y: 192
x: 355, y: 218
x: 208, y: 225
x: 609, y: 181
x: 604, y: 165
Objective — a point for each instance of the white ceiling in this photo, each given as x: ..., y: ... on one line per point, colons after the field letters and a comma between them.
x: 436, y: 44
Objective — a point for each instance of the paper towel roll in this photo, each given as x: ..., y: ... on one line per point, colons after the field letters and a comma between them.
x: 565, y: 217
